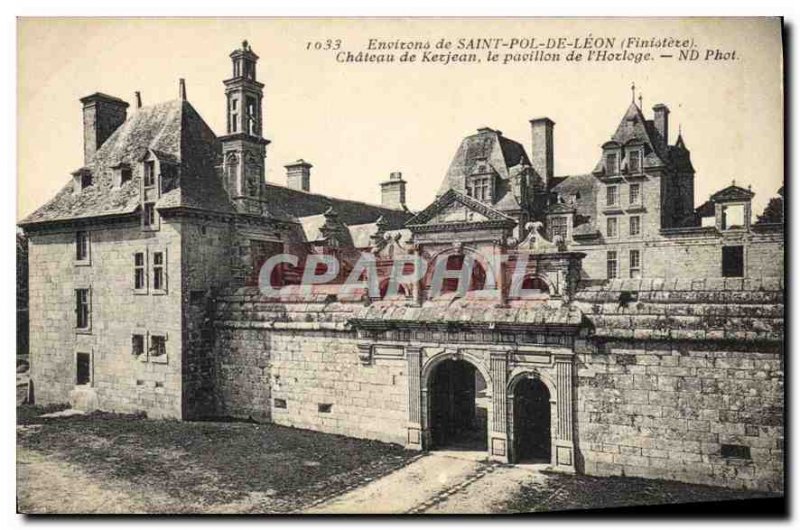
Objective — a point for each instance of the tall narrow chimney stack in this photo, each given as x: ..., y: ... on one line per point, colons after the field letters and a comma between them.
x: 393, y: 192
x: 182, y: 89
x: 102, y: 115
x: 661, y: 121
x: 542, y: 148
x: 138, y: 99
x: 298, y: 175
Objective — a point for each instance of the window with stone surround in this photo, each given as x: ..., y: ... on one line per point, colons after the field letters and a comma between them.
x: 158, y: 349
x: 83, y: 369
x: 635, y: 263
x: 149, y: 219
x: 139, y: 272
x: 635, y: 225
x: 159, y: 271
x: 635, y: 161
x: 635, y: 194
x: 558, y: 227
x: 611, y: 264
x: 137, y: 344
x: 82, y: 247
x: 733, y: 261
x: 83, y: 309
x: 480, y: 188
x: 612, y: 164
x: 612, y: 195
x: 149, y: 174
x: 612, y: 227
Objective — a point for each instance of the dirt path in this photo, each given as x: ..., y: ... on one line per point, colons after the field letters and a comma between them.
x: 45, y: 486
x: 436, y: 483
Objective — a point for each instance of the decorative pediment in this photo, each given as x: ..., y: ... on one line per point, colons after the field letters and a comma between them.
x: 455, y: 207
x: 733, y: 193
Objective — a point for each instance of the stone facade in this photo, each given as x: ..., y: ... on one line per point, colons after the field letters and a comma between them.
x: 668, y: 365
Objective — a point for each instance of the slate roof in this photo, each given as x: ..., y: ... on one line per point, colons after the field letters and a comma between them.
x: 583, y: 190
x: 300, y: 204
x: 173, y: 131
x: 634, y: 128
x: 487, y: 152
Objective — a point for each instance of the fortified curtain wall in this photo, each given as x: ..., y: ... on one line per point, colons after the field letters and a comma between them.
x: 678, y: 379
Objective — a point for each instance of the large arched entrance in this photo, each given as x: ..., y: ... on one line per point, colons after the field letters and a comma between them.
x: 531, y: 421
x: 458, y: 407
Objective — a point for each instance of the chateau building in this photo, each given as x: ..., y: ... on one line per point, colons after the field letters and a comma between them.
x: 649, y: 343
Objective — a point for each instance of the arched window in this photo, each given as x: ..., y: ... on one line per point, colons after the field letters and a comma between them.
x: 535, y: 283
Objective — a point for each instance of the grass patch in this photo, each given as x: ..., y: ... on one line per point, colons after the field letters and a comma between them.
x: 211, y: 462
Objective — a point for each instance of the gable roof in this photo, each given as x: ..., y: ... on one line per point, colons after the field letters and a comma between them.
x: 451, y: 197
x: 174, y: 132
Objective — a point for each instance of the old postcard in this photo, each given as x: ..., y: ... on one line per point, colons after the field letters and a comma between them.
x: 399, y: 266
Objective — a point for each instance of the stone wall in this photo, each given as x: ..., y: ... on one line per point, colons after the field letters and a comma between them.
x: 121, y: 381
x: 661, y: 410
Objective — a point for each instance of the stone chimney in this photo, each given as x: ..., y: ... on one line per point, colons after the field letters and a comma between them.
x: 298, y: 175
x: 661, y: 121
x: 182, y: 89
x: 102, y: 115
x: 542, y: 148
x: 393, y: 192
x: 138, y: 96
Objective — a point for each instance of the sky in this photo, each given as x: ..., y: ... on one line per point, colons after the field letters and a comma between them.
x: 356, y: 123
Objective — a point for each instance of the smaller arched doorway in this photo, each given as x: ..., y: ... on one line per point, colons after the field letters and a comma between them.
x: 458, y: 407
x: 531, y: 421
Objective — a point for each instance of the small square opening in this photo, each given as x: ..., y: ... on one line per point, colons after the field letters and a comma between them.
x: 280, y: 403
x: 325, y: 407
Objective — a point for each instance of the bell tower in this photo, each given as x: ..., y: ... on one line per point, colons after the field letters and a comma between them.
x: 244, y: 149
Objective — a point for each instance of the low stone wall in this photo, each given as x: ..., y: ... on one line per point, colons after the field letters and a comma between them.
x: 683, y: 380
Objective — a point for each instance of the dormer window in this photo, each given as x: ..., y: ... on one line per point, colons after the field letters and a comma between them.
x: 86, y: 180
x: 81, y: 179
x: 149, y: 173
x: 612, y: 164
x: 480, y: 188
x: 125, y: 175
x: 635, y: 161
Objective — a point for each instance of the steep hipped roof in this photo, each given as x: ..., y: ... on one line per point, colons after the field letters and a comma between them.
x: 579, y: 191
x: 485, y: 152
x: 299, y: 204
x: 172, y: 131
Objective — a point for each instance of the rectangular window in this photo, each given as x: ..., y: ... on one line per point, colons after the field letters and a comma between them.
x: 81, y: 246
x: 635, y: 161
x: 149, y: 173
x: 280, y: 403
x: 125, y: 175
x: 83, y: 368
x: 635, y: 264
x: 137, y: 344
x: 86, y: 179
x: 635, y: 193
x: 82, y: 309
x: 158, y: 346
x: 612, y: 167
x: 149, y: 215
x: 735, y: 451
x: 558, y: 227
x: 612, y: 195
x: 325, y: 407
x: 139, y: 271
x: 158, y: 271
x: 635, y: 225
x: 611, y: 264
x: 611, y: 227
x: 733, y: 262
